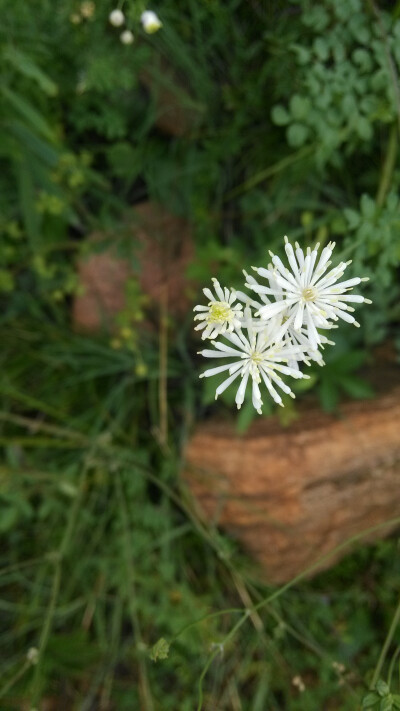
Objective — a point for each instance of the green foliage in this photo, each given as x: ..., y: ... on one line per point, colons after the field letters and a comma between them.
x: 344, y: 89
x: 285, y: 121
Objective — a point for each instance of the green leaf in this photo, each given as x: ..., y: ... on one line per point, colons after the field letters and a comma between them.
x: 26, y: 66
x: 299, y: 106
x: 321, y: 48
x: 246, y: 415
x: 347, y: 362
x: 6, y: 280
x: 160, y: 650
x: 382, y: 688
x: 368, y: 206
x: 43, y: 149
x: 328, y: 394
x: 386, y: 703
x: 297, y: 135
x: 27, y: 202
x: 33, y: 117
x: 356, y: 387
x: 370, y: 700
x: 364, y: 128
x: 280, y: 116
x: 353, y: 217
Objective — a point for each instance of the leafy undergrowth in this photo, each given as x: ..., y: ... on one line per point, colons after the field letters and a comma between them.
x: 130, y: 600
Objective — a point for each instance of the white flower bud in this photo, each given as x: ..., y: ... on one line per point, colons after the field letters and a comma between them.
x: 151, y: 23
x: 116, y: 18
x: 127, y: 37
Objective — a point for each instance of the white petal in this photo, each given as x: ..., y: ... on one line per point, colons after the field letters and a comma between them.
x: 215, y: 371
x: 220, y: 389
x: 241, y: 390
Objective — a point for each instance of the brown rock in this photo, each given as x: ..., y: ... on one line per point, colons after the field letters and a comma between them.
x: 292, y: 495
x: 159, y: 248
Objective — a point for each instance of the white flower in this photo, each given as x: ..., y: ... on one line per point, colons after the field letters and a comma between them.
x: 219, y: 315
x: 127, y: 37
x: 256, y: 356
x: 307, y: 295
x: 151, y: 23
x: 283, y: 324
x: 116, y: 18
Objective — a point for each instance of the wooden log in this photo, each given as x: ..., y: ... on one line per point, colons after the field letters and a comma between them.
x: 291, y: 495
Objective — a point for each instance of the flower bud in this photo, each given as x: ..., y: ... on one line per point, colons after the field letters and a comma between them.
x: 116, y: 18
x: 127, y: 37
x: 151, y: 23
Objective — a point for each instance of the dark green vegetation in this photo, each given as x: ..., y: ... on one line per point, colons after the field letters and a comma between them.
x: 293, y: 128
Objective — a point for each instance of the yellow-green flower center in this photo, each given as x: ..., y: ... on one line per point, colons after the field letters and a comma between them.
x: 308, y: 294
x: 256, y: 357
x: 219, y: 312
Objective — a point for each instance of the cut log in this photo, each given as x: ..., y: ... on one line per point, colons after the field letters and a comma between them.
x: 291, y: 495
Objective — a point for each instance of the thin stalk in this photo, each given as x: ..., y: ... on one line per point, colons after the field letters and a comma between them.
x: 145, y: 692
x: 391, y: 667
x: 388, y: 166
x: 386, y: 645
x: 58, y: 558
x: 17, y: 676
x: 162, y: 383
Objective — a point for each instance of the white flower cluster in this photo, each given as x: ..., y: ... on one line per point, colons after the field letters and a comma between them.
x: 280, y: 328
x: 150, y: 22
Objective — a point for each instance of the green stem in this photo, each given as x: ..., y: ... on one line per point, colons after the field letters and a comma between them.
x: 144, y: 686
x: 280, y: 591
x: 55, y: 588
x: 270, y: 171
x: 388, y: 166
x: 391, y: 667
x: 20, y: 673
x: 229, y: 636
x: 386, y: 645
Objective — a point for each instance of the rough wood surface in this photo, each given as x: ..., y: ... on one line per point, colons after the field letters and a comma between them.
x: 291, y: 495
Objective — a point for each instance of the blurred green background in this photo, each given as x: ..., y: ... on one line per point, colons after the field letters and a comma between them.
x: 249, y: 120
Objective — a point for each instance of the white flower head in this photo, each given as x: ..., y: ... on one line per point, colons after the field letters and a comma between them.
x: 127, y: 37
x: 220, y: 314
x: 255, y: 355
x: 116, y: 18
x: 308, y: 295
x: 150, y: 21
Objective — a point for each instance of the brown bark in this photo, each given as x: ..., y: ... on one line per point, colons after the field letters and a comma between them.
x: 291, y: 495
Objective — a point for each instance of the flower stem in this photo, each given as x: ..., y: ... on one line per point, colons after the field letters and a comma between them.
x: 386, y: 645
x: 388, y: 166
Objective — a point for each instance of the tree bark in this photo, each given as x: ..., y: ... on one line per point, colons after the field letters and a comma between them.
x: 291, y: 495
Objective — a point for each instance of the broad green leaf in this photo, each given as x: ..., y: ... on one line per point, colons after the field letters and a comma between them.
x: 279, y: 115
x: 370, y: 700
x: 386, y: 703
x: 356, y: 387
x: 297, y: 134
x: 299, y: 106
x: 382, y: 688
x: 328, y: 394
